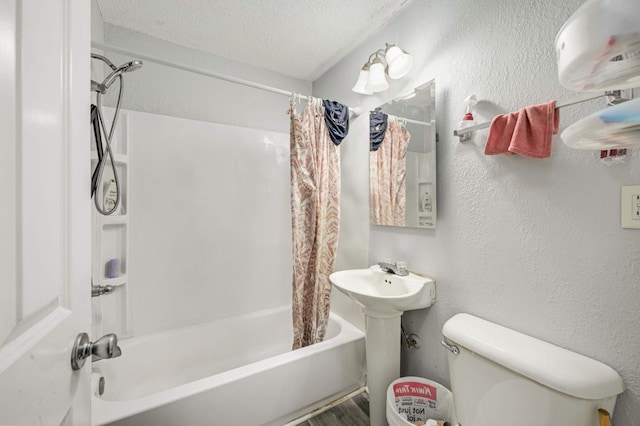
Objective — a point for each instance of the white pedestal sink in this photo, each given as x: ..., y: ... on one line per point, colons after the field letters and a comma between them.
x: 384, y: 297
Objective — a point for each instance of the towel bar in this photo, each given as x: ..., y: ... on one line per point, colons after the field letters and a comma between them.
x: 616, y: 98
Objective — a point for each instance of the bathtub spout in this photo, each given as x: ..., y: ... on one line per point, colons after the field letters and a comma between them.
x: 99, y: 290
x: 106, y: 347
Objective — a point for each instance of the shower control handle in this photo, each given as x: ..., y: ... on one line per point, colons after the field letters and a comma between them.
x: 104, y: 348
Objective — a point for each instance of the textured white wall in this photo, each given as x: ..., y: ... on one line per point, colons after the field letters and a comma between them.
x: 535, y: 245
x: 97, y: 25
x: 97, y: 34
x: 163, y: 90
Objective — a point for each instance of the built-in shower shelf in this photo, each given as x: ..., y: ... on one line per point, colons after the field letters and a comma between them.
x: 118, y: 281
x: 116, y: 219
x: 110, y: 253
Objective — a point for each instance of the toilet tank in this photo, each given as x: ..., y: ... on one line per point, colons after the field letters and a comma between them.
x: 501, y: 377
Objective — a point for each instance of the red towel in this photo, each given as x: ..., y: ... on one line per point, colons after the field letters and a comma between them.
x: 527, y: 132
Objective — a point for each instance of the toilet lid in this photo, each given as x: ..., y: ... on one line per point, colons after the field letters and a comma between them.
x: 550, y: 365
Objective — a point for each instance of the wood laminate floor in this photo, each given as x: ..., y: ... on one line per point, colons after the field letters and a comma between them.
x: 352, y: 412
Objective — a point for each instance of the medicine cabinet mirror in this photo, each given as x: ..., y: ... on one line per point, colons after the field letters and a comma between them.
x: 402, y: 160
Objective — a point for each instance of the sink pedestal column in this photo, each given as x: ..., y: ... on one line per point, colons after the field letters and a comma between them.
x: 382, y: 342
x: 384, y: 297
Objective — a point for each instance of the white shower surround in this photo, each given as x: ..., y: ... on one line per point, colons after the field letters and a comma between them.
x: 210, y: 221
x: 233, y: 371
x: 210, y: 285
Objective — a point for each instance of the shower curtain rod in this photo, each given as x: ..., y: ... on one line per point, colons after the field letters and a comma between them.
x: 355, y: 111
x: 405, y: 119
x: 422, y: 123
x: 409, y: 120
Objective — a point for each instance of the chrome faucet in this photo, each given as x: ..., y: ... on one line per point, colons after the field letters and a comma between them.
x: 399, y: 268
x: 99, y: 290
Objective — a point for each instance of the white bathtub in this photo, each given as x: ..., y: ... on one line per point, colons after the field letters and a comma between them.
x: 235, y: 371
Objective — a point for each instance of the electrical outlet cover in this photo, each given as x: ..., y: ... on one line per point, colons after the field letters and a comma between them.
x: 630, y: 207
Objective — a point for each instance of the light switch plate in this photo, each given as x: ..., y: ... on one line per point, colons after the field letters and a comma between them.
x: 630, y: 207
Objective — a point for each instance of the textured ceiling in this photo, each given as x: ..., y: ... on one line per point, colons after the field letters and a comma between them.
x: 297, y: 38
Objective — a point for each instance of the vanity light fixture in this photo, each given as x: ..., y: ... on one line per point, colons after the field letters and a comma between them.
x: 390, y: 61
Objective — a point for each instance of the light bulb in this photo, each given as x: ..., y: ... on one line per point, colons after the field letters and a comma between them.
x: 399, y: 62
x: 377, y: 81
x: 361, y: 83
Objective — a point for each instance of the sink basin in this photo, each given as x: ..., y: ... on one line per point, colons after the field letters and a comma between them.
x: 385, y: 294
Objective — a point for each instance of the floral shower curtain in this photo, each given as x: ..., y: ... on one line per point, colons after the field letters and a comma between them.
x: 387, y: 171
x: 315, y: 212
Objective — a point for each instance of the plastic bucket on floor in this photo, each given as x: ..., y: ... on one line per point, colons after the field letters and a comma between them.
x: 414, y: 401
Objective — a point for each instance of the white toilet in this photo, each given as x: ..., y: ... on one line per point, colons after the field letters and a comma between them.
x: 500, y: 377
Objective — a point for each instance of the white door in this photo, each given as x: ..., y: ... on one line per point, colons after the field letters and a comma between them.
x: 45, y: 215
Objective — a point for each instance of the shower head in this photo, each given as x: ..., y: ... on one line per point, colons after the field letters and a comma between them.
x: 131, y: 66
x: 127, y: 67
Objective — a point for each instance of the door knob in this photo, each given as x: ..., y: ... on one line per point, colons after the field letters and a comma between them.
x: 104, y: 348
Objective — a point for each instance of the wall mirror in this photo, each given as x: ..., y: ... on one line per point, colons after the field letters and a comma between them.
x: 402, y: 160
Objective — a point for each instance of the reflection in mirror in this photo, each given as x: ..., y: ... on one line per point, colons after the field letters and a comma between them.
x: 402, y: 160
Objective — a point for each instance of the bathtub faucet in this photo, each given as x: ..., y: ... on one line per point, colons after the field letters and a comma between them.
x: 99, y: 290
x: 399, y: 268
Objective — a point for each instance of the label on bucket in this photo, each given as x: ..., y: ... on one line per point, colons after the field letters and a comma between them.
x: 415, y: 389
x: 415, y: 401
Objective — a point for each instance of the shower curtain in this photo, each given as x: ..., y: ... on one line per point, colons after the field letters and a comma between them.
x: 387, y: 171
x: 315, y: 212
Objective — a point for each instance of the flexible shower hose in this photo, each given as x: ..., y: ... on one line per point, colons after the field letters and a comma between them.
x: 102, y: 155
